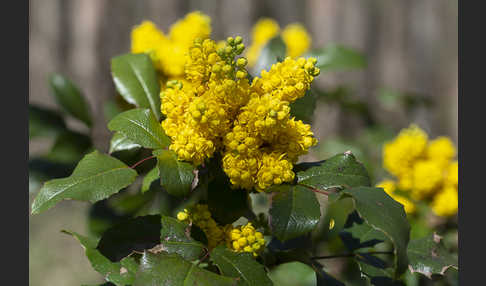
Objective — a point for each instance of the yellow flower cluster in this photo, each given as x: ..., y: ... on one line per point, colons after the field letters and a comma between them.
x: 240, y: 239
x: 200, y: 216
x: 216, y: 108
x: 295, y: 37
x: 265, y: 140
x: 426, y: 169
x: 168, y: 51
x: 245, y: 239
x: 200, y: 109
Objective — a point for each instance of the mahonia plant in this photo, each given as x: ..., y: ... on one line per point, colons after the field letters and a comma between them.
x: 201, y: 142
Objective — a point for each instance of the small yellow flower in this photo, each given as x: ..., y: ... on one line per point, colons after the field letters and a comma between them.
x: 445, y: 202
x: 452, y: 176
x: 428, y: 175
x: 400, y: 154
x: 168, y: 52
x: 297, y: 40
x: 182, y: 216
x: 262, y: 32
x: 331, y: 224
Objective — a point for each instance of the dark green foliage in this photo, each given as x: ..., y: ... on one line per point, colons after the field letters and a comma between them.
x: 141, y: 243
x: 176, y: 177
x: 134, y: 234
x: 428, y: 256
x: 136, y: 80
x: 294, y: 211
x: 69, y: 97
x: 175, y: 238
x: 172, y: 269
x: 96, y: 177
x: 242, y: 265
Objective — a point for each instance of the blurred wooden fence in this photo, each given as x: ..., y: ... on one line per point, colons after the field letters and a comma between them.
x: 411, y: 45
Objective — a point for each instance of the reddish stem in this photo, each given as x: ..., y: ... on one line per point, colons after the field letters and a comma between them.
x: 141, y: 161
x: 204, y: 257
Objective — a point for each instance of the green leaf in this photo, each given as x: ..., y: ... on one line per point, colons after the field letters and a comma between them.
x: 273, y: 52
x: 120, y: 142
x: 69, y: 97
x: 151, y: 176
x: 69, y: 147
x: 293, y: 274
x: 323, y: 278
x: 173, y: 270
x: 176, y: 177
x: 428, y: 256
x: 225, y: 203
x: 294, y: 211
x: 335, y: 57
x: 361, y: 235
x: 384, y: 214
x: 44, y: 122
x: 378, y: 276
x: 97, y: 176
x: 175, y: 238
x: 120, y: 273
x: 243, y: 265
x: 134, y: 234
x: 141, y: 127
x: 303, y: 108
x: 136, y: 80
x: 340, y: 171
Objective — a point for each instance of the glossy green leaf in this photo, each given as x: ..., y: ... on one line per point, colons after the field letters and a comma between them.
x: 293, y: 274
x: 335, y: 57
x: 120, y: 273
x: 69, y: 97
x: 340, y: 171
x: 44, y: 122
x: 96, y: 177
x: 242, y: 265
x: 175, y: 238
x: 303, y: 108
x: 225, y: 203
x: 294, y: 211
x: 372, y: 257
x: 141, y: 127
x: 361, y: 235
x: 151, y: 176
x: 273, y: 52
x: 173, y: 270
x: 134, y: 234
x: 120, y: 142
x: 428, y: 256
x: 136, y: 80
x: 69, y: 147
x: 382, y: 213
x: 176, y: 177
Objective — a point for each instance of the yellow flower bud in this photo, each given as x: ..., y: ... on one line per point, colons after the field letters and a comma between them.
x: 182, y: 216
